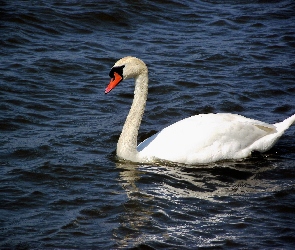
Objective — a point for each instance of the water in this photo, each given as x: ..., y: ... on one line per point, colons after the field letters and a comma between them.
x: 61, y: 184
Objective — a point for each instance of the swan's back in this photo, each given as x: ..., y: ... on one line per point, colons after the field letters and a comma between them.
x: 208, y: 138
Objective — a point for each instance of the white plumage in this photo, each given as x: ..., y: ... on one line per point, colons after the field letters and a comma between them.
x: 198, y: 139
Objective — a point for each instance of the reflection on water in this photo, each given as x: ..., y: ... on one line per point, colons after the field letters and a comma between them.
x: 204, y: 181
x: 177, y: 200
x: 137, y: 211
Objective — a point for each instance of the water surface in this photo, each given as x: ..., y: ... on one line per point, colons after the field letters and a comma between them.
x: 62, y: 186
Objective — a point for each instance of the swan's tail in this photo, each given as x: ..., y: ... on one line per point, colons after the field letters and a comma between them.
x: 284, y: 125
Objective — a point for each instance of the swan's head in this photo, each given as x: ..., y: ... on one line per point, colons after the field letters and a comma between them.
x: 127, y: 67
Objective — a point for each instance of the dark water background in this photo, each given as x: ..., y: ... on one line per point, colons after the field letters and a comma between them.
x: 61, y: 185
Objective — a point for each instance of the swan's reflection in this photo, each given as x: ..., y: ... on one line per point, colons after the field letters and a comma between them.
x: 137, y: 211
x: 216, y: 181
x: 203, y: 182
x: 153, y: 190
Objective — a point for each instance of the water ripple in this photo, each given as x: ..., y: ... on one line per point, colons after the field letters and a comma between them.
x: 62, y: 185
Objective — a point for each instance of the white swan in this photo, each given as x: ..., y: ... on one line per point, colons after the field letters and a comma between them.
x: 202, y: 138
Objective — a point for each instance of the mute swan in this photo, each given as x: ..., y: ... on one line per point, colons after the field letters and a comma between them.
x: 201, y: 138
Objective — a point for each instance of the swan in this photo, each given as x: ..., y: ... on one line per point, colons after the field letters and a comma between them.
x: 202, y: 138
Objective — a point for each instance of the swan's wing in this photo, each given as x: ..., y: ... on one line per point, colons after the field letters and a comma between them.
x: 206, y: 138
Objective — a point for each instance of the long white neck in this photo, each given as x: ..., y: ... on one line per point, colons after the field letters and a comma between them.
x: 127, y: 144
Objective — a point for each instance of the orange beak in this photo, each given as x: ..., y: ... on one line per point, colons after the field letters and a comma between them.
x: 113, y: 83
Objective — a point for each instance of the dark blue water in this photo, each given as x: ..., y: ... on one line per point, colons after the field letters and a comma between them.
x: 61, y: 185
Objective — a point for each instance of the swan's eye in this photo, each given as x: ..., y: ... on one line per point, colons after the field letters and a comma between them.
x: 118, y: 69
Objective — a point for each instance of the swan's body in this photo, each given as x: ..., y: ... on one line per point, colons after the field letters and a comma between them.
x: 198, y: 139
